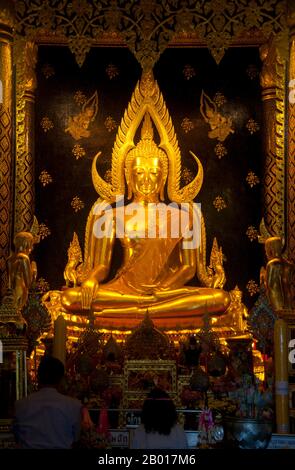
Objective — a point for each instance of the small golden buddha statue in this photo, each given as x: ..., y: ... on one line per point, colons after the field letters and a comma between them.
x: 21, y: 270
x: 161, y: 250
x: 278, y: 276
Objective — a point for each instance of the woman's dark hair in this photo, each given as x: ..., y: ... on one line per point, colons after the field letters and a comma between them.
x: 50, y: 371
x: 158, y: 412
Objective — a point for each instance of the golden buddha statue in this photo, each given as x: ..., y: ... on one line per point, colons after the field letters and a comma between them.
x: 278, y: 276
x: 22, y: 272
x: 161, y: 246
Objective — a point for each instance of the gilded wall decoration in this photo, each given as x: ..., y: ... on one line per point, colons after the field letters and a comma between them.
x: 42, y: 285
x: 78, y: 125
x: 48, y: 71
x: 110, y: 123
x: 220, y: 150
x: 112, y: 71
x: 108, y: 176
x: 187, y: 125
x: 188, y: 72
x: 252, y: 71
x: 219, y: 203
x: 44, y: 231
x: 219, y: 99
x: 46, y: 124
x: 221, y: 126
x: 45, y: 178
x: 78, y: 151
x: 147, y: 26
x: 252, y: 233
x: 252, y: 179
x: 252, y: 287
x: 77, y: 204
x: 252, y: 126
x: 187, y: 175
x: 80, y: 98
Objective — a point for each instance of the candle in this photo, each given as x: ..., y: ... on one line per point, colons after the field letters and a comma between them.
x: 59, y: 340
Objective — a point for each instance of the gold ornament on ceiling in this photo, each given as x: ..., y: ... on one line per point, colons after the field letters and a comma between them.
x: 44, y: 231
x: 221, y: 126
x: 45, y: 178
x: 78, y: 151
x: 46, y: 124
x: 252, y: 126
x: 252, y: 287
x: 252, y: 233
x: 219, y: 203
x: 148, y: 26
x: 252, y: 179
x: 110, y: 123
x: 188, y: 72
x: 48, y: 71
x: 187, y: 125
x: 77, y: 204
x: 78, y: 124
x: 220, y: 150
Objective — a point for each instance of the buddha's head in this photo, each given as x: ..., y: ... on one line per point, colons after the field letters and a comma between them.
x: 23, y: 242
x: 146, y: 167
x: 273, y: 247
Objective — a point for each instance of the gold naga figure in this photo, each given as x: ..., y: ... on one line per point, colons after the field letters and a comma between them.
x: 155, y: 269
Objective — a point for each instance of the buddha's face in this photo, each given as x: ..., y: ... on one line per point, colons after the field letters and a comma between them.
x: 146, y: 177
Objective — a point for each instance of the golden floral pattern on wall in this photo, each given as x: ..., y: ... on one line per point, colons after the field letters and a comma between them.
x: 187, y: 175
x: 78, y: 151
x: 112, y: 71
x: 42, y: 285
x: 252, y: 126
x: 220, y: 150
x: 48, y: 71
x: 45, y: 178
x: 252, y: 179
x: 108, y: 176
x: 110, y: 123
x: 252, y: 233
x: 252, y: 287
x: 77, y: 204
x: 44, y: 231
x: 187, y: 125
x: 252, y: 71
x: 219, y: 203
x: 189, y: 72
x: 46, y: 124
x: 80, y: 97
x: 219, y: 99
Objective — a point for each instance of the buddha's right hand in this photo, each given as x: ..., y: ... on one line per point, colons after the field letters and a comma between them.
x: 88, y: 293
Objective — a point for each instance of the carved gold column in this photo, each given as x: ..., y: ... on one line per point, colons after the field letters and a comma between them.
x: 26, y: 58
x: 6, y: 157
x: 291, y: 142
x: 272, y: 80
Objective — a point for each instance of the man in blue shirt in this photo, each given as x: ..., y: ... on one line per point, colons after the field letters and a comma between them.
x: 48, y: 419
